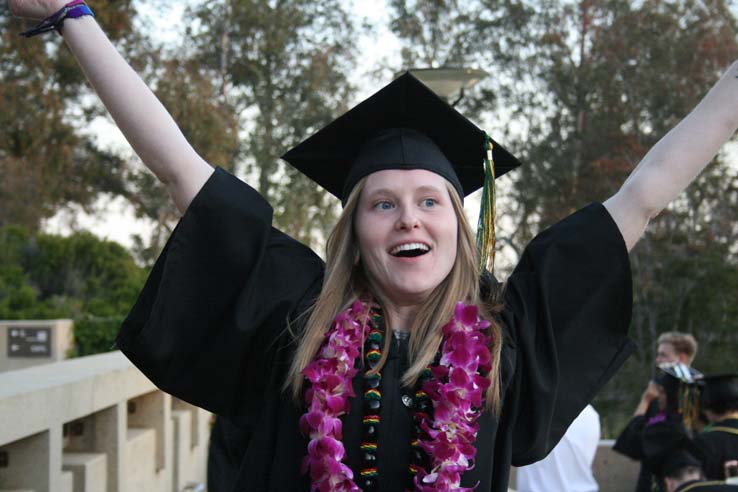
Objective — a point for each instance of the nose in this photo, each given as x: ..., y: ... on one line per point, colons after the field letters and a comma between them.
x: 407, y: 219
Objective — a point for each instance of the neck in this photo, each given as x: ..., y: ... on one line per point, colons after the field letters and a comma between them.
x: 400, y: 317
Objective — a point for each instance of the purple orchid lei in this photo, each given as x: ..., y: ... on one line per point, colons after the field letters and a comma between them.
x: 456, y: 391
x: 330, y: 375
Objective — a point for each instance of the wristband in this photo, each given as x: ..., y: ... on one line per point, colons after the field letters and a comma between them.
x: 72, y: 10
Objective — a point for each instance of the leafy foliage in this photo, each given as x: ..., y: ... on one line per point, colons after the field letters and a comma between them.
x: 46, y: 161
x: 616, y: 78
x: 283, y: 66
x: 247, y: 80
x: 82, y: 277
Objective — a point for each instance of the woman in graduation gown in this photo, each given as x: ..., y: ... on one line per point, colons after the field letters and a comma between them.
x: 677, y: 398
x: 235, y: 314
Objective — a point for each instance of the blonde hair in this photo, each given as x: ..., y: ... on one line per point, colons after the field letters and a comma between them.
x: 345, y: 281
x: 683, y: 343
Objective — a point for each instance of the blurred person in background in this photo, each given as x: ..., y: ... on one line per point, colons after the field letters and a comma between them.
x: 676, y: 462
x: 568, y: 467
x: 676, y: 395
x: 672, y: 347
x: 719, y: 441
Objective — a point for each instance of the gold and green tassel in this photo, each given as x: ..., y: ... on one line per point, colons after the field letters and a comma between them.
x: 486, y: 223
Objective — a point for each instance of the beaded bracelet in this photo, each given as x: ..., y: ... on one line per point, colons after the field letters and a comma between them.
x: 72, y: 10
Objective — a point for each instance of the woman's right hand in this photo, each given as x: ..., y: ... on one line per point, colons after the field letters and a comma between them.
x: 35, y: 9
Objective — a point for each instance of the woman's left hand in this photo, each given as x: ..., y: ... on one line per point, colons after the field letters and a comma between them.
x: 35, y: 9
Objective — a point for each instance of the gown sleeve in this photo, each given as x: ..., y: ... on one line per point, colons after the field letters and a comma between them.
x: 630, y: 441
x: 213, y: 314
x: 712, y: 465
x: 567, y: 311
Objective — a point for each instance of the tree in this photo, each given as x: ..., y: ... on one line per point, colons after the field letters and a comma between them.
x: 582, y: 90
x: 283, y: 66
x: 616, y: 77
x: 249, y: 79
x: 46, y: 158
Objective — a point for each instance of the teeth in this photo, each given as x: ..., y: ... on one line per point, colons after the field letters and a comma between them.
x: 408, y: 247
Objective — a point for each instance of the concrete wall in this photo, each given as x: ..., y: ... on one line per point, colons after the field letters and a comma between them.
x: 96, y: 424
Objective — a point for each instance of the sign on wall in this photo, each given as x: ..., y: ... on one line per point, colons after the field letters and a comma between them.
x: 29, y: 342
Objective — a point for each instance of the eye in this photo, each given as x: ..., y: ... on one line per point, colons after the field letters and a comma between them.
x: 429, y: 202
x: 384, y: 205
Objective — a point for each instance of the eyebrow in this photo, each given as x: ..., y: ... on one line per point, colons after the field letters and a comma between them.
x: 388, y: 191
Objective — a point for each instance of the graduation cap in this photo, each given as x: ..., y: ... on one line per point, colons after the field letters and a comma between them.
x: 667, y: 449
x: 405, y: 125
x: 678, y: 373
x: 680, y: 383
x: 719, y: 389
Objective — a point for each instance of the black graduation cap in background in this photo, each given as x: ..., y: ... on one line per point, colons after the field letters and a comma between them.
x: 680, y: 383
x: 678, y: 373
x: 719, y: 388
x: 667, y: 448
x: 673, y: 376
x: 405, y: 125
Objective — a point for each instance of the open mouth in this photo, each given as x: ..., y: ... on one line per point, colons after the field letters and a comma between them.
x: 410, y: 250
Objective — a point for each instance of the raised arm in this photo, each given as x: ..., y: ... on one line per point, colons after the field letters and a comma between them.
x: 676, y: 159
x: 144, y: 121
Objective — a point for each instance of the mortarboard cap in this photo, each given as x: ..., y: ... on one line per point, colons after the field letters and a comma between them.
x: 680, y: 383
x: 404, y: 125
x: 719, y: 389
x: 678, y: 373
x: 667, y: 449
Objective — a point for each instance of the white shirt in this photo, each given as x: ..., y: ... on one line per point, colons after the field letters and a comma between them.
x: 568, y: 468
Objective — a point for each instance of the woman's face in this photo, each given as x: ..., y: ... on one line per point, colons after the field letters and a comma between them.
x: 407, y: 230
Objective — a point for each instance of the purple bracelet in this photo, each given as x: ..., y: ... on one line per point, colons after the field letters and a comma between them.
x: 72, y: 10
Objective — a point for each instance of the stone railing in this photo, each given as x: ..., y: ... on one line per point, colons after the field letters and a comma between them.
x: 97, y: 424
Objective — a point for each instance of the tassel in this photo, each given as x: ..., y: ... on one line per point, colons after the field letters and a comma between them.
x: 486, y: 222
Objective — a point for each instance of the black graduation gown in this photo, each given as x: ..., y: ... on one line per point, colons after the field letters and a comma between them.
x: 629, y: 443
x: 719, y: 443
x: 215, y: 320
x: 706, y: 486
x: 227, y: 446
